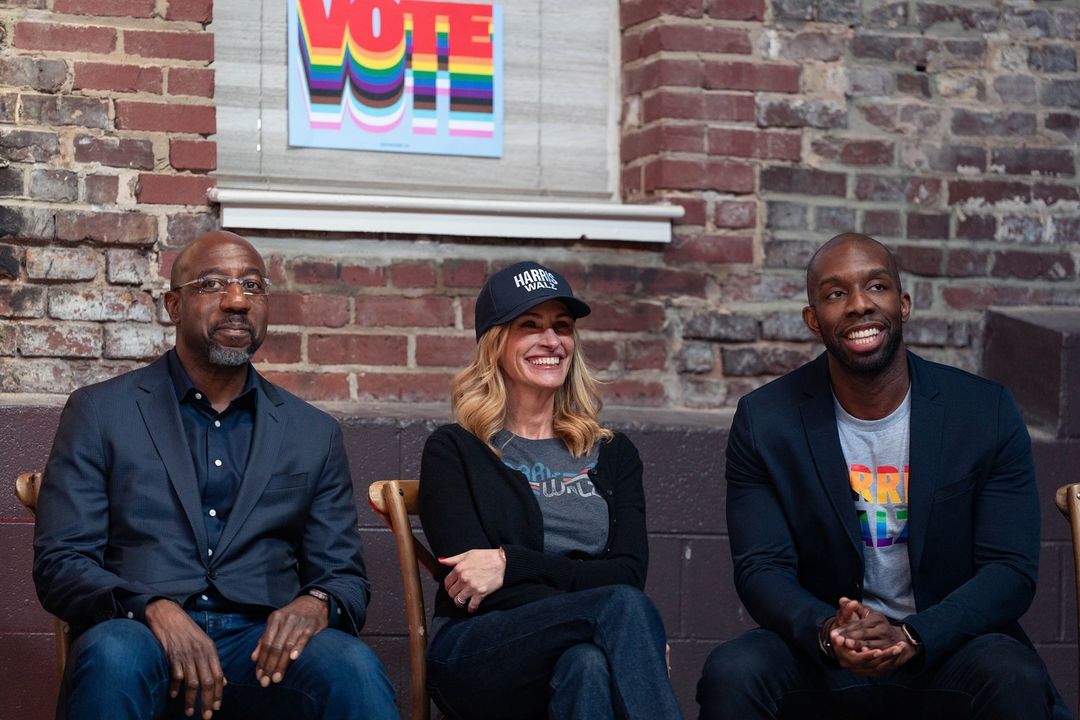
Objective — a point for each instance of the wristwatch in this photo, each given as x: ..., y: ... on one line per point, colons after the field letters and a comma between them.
x: 319, y: 595
x: 911, y: 636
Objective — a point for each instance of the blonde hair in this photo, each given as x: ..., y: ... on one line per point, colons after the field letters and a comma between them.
x: 478, y: 397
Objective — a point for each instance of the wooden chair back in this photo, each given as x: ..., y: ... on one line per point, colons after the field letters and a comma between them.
x: 27, y: 487
x: 1068, y: 502
x: 394, y: 501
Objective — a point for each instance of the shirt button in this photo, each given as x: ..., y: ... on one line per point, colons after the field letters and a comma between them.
x: 213, y: 512
x: 204, y: 597
x: 131, y: 615
x: 198, y: 396
x: 209, y: 551
x: 217, y: 423
x: 217, y: 463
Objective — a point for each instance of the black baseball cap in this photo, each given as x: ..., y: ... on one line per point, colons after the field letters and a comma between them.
x: 513, y: 290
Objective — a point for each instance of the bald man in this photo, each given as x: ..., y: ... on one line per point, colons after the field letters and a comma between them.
x: 884, y: 526
x: 196, y: 527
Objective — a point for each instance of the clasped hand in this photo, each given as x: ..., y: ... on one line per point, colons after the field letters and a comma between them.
x: 865, y: 642
x: 193, y: 658
x: 475, y: 575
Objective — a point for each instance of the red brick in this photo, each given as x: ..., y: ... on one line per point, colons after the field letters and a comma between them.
x: 693, y: 210
x: 1034, y: 161
x: 63, y: 340
x: 29, y: 146
x: 920, y: 259
x: 769, y: 77
x: 184, y: 226
x: 665, y: 282
x: 697, y: 105
x: 698, y: 37
x: 363, y: 275
x: 279, y: 347
x: 737, y: 9
x: 166, y: 117
x: 116, y: 77
x: 803, y: 181
x: 403, y: 387
x: 315, y: 272
x: 358, y: 349
x: 632, y: 12
x: 316, y: 310
x: 719, y: 175
x: 22, y: 301
x: 1033, y: 265
x: 631, y: 182
x: 662, y: 72
x: 710, y: 249
x: 173, y: 189
x: 599, y: 354
x: 855, y: 152
x: 928, y: 226
x: 198, y: 82
x: 102, y: 189
x: 627, y: 317
x: 976, y: 227
x: 170, y: 45
x: 312, y: 386
x: 634, y: 392
x: 1003, y: 124
x: 731, y: 214
x: 964, y: 262
x: 198, y: 155
x: 200, y: 11
x: 64, y: 38
x: 413, y: 275
x: 646, y: 354
x: 980, y: 297
x: 120, y: 228
x: 883, y: 188
x: 987, y: 191
x: 613, y: 279
x: 464, y: 274
x: 1052, y: 194
x: 115, y: 152
x: 881, y: 222
x: 755, y: 144
x: 663, y: 138
x: 396, y: 311
x: 444, y: 351
x: 789, y: 112
x: 106, y: 8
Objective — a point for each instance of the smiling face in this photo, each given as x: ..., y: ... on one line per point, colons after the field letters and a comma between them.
x: 217, y: 329
x: 857, y: 306
x: 539, y: 348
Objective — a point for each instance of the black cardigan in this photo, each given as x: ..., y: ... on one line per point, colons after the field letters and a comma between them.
x: 469, y: 499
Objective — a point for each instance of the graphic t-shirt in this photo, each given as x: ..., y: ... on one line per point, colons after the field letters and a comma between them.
x: 575, y: 514
x: 877, y: 456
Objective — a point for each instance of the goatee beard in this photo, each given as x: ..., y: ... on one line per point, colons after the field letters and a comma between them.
x: 229, y: 357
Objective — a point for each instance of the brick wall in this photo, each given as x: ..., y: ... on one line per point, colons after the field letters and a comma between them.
x: 946, y: 129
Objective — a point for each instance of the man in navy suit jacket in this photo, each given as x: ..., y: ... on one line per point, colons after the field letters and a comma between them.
x: 871, y: 603
x: 196, y: 527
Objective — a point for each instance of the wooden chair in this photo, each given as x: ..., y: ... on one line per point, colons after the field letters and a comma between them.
x: 394, y: 501
x: 27, y: 487
x: 1068, y: 502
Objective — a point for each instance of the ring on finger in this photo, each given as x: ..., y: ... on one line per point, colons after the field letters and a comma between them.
x: 460, y: 600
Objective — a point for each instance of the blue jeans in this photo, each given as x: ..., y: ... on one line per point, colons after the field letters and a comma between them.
x: 991, y: 677
x: 587, y: 655
x: 118, y: 670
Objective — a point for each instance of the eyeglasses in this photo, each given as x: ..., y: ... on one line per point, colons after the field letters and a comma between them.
x: 216, y: 285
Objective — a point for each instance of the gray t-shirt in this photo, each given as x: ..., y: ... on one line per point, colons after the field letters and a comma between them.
x: 877, y: 456
x: 575, y: 514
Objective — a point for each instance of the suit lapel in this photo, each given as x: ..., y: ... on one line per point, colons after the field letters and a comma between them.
x: 262, y: 459
x: 819, y: 424
x: 927, y: 426
x: 162, y: 418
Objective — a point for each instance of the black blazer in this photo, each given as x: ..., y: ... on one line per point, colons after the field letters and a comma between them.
x: 973, y: 508
x: 119, y: 520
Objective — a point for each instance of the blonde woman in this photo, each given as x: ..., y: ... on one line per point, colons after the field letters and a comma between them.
x: 536, y: 512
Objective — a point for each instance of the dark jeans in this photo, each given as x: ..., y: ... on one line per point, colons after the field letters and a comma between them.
x: 584, y: 655
x: 992, y: 677
x: 118, y: 670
